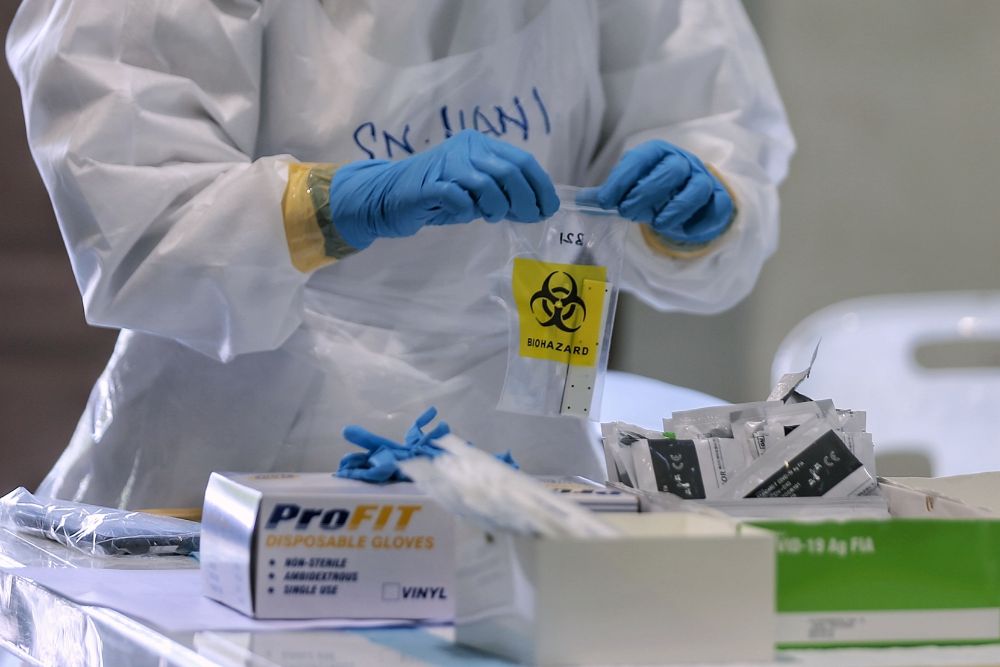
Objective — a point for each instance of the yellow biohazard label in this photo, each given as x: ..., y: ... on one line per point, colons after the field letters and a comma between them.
x: 560, y: 308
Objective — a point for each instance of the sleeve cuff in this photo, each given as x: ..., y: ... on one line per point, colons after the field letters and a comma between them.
x: 664, y: 247
x: 313, y: 240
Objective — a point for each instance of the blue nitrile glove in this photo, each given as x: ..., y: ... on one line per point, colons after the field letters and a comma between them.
x: 466, y: 177
x: 380, y: 463
x: 508, y: 458
x: 669, y: 188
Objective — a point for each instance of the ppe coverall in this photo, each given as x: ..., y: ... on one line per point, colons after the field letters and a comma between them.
x: 181, y: 142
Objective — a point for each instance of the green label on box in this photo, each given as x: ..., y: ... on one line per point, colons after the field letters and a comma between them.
x: 902, y: 564
x: 887, y: 583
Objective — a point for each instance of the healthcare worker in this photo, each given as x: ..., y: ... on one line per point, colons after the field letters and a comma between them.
x: 276, y: 204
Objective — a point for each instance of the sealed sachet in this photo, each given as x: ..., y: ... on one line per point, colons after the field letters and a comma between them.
x: 853, y: 420
x: 861, y: 445
x: 814, y: 461
x: 762, y: 423
x: 692, y: 469
x: 618, y: 438
x: 710, y: 422
x: 560, y: 290
x: 782, y: 422
x: 788, y: 449
x: 767, y: 426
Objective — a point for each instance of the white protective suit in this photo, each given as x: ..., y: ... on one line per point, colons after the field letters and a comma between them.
x: 165, y: 132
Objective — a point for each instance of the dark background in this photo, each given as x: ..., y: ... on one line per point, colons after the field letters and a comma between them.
x: 49, y: 357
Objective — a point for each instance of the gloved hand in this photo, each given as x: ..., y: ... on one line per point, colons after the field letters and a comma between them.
x: 466, y: 177
x: 669, y: 188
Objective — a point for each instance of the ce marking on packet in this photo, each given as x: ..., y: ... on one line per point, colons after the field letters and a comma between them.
x: 833, y: 546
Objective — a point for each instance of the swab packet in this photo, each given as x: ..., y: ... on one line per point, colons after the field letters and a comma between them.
x: 813, y: 461
x: 753, y: 426
x: 691, y: 469
x: 710, y: 422
x: 618, y: 438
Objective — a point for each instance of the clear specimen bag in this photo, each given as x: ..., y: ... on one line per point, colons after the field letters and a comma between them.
x: 560, y: 289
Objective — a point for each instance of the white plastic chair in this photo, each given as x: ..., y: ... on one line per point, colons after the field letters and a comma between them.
x: 875, y: 355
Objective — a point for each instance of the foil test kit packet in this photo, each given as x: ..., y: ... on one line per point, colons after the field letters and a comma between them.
x: 284, y: 545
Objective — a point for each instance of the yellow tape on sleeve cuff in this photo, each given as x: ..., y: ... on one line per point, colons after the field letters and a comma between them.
x: 313, y: 240
x: 678, y: 251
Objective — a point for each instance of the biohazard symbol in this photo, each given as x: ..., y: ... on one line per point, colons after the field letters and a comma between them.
x: 559, y: 306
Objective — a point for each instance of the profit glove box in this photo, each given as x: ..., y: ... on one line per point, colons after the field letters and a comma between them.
x: 284, y: 545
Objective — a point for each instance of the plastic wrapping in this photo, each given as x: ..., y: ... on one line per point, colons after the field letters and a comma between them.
x: 861, y: 445
x: 618, y: 438
x: 788, y: 447
x: 560, y: 290
x: 786, y: 389
x: 653, y: 461
x: 749, y: 429
x: 782, y: 422
x: 692, y: 469
x: 814, y: 461
x: 475, y: 485
x: 767, y: 427
x: 853, y: 421
x: 98, y: 531
x: 710, y: 422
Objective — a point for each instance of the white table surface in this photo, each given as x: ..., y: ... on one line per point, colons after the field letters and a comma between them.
x: 45, y: 628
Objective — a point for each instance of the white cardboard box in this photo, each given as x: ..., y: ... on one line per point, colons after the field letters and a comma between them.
x: 283, y: 545
x: 675, y: 588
